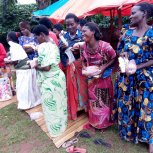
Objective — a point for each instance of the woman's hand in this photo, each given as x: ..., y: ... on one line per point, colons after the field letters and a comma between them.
x: 7, y: 60
x: 102, y: 69
x: 33, y: 63
x: 39, y: 68
x: 64, y: 46
x: 28, y: 49
x: 77, y: 46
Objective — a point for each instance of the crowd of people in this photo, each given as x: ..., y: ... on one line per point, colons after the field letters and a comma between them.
x: 68, y: 71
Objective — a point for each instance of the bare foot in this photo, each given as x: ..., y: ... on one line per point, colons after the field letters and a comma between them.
x: 151, y: 148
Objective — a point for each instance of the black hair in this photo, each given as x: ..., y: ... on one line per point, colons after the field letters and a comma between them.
x: 94, y: 27
x: 25, y: 25
x: 72, y: 16
x: 146, y: 7
x: 14, y: 36
x: 45, y: 21
x: 82, y: 22
x: 40, y: 29
x: 59, y: 27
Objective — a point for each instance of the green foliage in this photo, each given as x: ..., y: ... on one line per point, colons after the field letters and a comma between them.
x: 14, y: 15
x: 104, y: 21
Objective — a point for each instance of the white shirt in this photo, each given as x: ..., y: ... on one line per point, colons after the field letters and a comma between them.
x: 16, y: 51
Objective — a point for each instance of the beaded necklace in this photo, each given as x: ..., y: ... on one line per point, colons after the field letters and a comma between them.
x: 93, y: 51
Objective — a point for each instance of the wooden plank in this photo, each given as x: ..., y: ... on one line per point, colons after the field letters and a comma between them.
x: 69, y: 133
x: 8, y: 102
x: 44, y: 128
x: 40, y: 121
x: 35, y: 109
x: 72, y: 128
x: 71, y: 122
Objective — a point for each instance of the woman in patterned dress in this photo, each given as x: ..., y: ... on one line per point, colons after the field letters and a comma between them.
x: 28, y: 41
x: 133, y: 101
x: 100, y: 89
x: 52, y: 83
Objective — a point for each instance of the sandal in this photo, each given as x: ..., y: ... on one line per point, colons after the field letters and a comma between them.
x: 82, y: 134
x: 101, y: 142
x: 74, y: 149
x: 69, y: 143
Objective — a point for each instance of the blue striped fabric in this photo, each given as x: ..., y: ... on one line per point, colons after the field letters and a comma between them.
x: 50, y: 9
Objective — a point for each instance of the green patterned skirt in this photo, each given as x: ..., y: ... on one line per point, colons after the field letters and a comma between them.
x: 54, y: 103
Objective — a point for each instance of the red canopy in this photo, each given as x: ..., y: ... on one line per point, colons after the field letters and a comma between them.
x: 83, y: 8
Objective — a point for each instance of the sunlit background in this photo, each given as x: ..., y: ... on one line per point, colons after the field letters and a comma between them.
x: 26, y: 1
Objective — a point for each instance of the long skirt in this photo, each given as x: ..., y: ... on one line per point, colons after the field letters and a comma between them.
x: 100, y: 93
x: 54, y: 98
x: 28, y: 93
x: 133, y: 106
x: 76, y: 89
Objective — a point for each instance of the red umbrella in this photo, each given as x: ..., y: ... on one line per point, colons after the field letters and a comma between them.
x: 83, y: 8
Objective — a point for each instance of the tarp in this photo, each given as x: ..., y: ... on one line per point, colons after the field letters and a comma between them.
x: 83, y: 8
x: 50, y: 9
x: 102, y: 6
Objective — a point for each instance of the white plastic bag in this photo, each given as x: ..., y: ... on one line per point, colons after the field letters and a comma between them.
x: 70, y: 55
x: 35, y: 115
x: 91, y: 71
x: 123, y: 62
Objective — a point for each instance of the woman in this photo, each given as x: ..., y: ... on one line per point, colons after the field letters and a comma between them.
x: 133, y: 101
x: 82, y: 22
x: 72, y: 65
x: 2, y: 55
x: 46, y: 22
x: 28, y: 41
x: 28, y: 94
x: 100, y: 90
x: 5, y: 87
x: 52, y: 83
x: 57, y: 28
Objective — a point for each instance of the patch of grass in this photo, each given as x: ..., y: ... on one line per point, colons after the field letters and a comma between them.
x: 19, y: 134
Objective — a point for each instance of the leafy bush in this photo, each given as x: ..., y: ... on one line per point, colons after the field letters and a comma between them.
x: 104, y: 21
x: 13, y: 16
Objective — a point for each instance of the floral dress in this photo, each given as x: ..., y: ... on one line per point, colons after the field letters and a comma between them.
x: 133, y: 100
x: 53, y: 89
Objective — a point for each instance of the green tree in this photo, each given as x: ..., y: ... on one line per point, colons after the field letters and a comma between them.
x: 5, y: 6
x: 13, y: 15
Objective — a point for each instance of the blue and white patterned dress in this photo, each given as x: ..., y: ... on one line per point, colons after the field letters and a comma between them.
x: 133, y: 101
